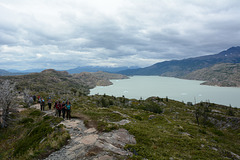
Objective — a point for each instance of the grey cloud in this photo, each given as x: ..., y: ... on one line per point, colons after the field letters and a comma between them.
x: 53, y: 33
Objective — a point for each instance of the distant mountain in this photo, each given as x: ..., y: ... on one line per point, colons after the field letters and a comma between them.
x: 13, y: 70
x: 38, y: 70
x: 26, y: 71
x: 180, y: 68
x: 225, y: 74
x: 96, y: 69
x: 7, y: 73
x: 4, y: 72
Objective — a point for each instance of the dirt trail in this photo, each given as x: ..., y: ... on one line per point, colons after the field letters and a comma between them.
x: 89, y: 144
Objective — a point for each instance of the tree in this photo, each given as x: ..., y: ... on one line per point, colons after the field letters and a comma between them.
x: 7, y: 97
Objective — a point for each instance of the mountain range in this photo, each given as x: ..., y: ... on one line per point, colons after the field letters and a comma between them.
x: 11, y: 72
x: 97, y: 68
x: 7, y: 73
x: 180, y: 68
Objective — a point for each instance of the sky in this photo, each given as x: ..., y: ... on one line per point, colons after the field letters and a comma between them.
x: 64, y: 34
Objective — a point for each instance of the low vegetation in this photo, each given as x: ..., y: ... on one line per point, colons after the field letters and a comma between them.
x: 163, y: 128
x: 31, y: 135
x: 170, y: 132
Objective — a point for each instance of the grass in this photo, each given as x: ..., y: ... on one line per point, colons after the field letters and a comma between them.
x: 32, y: 136
x: 172, y: 131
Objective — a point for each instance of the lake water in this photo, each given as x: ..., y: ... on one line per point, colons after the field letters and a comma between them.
x: 178, y: 89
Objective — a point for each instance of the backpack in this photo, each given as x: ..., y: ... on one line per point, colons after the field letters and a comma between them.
x: 68, y: 106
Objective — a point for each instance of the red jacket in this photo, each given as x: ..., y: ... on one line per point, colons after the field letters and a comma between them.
x: 59, y: 106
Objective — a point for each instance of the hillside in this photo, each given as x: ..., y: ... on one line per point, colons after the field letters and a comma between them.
x: 180, y: 68
x: 48, y: 81
x: 163, y: 129
x: 225, y: 74
x: 61, y: 82
x: 97, y: 78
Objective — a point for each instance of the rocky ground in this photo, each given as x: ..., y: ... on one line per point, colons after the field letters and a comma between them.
x: 89, y: 144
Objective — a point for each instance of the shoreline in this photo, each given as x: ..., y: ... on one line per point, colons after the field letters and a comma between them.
x: 194, y: 90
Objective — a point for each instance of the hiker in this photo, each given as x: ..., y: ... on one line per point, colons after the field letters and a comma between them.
x: 39, y: 99
x: 55, y: 107
x: 63, y: 109
x: 68, y: 107
x: 31, y: 100
x: 34, y: 98
x: 59, y: 108
x: 49, y: 103
x: 42, y: 103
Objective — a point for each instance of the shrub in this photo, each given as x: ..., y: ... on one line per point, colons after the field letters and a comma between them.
x: 218, y: 132
x: 230, y: 112
x: 26, y: 120
x: 137, y: 117
x: 153, y: 107
x: 33, y: 139
x: 36, y: 113
x: 202, y: 131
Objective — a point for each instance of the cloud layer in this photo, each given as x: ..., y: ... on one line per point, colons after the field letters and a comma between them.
x: 64, y: 34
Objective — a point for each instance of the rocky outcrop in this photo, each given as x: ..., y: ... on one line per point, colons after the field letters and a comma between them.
x: 98, y: 78
x: 89, y: 144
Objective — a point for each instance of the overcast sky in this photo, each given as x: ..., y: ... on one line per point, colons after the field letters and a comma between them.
x: 64, y: 34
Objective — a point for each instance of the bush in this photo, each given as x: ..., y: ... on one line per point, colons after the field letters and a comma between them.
x: 137, y: 117
x: 33, y: 139
x: 36, y: 113
x: 230, y: 112
x: 153, y: 107
x: 218, y: 132
x: 202, y: 131
x: 26, y: 120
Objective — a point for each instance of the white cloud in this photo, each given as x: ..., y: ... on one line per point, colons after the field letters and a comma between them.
x: 41, y: 33
x: 39, y: 55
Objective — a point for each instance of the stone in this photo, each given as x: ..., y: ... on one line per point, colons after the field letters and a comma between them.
x: 75, y: 147
x: 123, y: 122
x: 83, y: 143
x: 186, y: 134
x: 89, y: 139
x: 90, y: 130
x: 105, y: 157
x: 77, y: 139
x: 123, y: 115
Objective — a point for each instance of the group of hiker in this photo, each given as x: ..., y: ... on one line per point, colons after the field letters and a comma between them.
x: 61, y: 108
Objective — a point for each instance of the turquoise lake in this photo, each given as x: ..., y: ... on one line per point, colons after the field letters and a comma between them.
x: 178, y: 89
